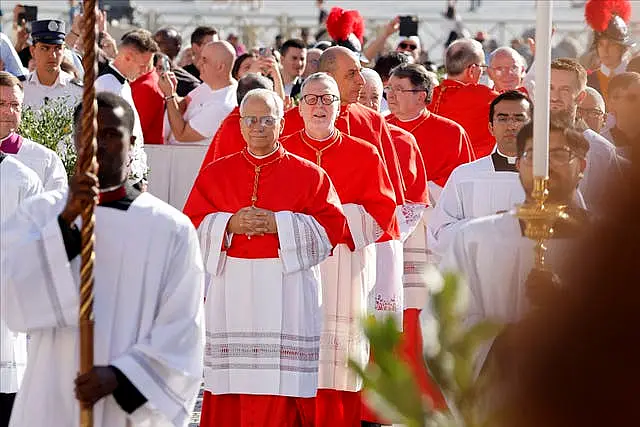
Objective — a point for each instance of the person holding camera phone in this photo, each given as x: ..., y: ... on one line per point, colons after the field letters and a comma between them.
x: 408, y: 43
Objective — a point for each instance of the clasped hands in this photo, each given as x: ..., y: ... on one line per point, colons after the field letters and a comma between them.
x: 253, y: 221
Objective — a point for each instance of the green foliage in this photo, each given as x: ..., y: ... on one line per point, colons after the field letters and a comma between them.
x: 52, y: 126
x: 389, y: 382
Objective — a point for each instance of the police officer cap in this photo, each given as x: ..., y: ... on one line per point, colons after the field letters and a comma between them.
x: 49, y: 31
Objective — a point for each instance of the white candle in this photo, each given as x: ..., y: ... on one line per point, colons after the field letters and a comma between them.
x: 543, y: 78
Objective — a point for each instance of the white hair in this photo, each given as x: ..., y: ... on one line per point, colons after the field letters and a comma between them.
x: 323, y: 77
x: 596, y: 95
x: 519, y: 59
x: 371, y: 77
x: 462, y: 53
x: 266, y: 95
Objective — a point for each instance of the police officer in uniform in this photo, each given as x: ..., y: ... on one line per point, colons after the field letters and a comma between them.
x: 48, y: 81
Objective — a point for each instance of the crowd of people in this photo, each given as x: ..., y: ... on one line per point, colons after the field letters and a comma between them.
x: 337, y: 173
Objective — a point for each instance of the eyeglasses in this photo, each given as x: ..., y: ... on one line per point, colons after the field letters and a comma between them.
x: 504, y: 119
x: 326, y: 99
x: 404, y: 45
x: 389, y: 89
x: 594, y: 113
x: 557, y: 156
x: 265, y: 121
x: 500, y: 71
x: 15, y: 106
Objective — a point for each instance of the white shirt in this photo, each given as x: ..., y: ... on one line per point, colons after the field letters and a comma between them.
x: 10, y: 58
x: 206, y: 110
x: 36, y: 94
x: 148, y: 311
x: 473, y: 190
x: 602, y: 173
x: 45, y: 163
x: 495, y: 258
x: 17, y: 183
x: 113, y: 81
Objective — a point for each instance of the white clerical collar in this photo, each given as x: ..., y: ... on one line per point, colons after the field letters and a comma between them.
x: 114, y: 68
x: 510, y: 160
x: 333, y: 132
x: 264, y: 156
x: 610, y: 73
x: 411, y: 119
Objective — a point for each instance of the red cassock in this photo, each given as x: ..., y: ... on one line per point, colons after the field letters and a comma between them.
x: 412, y: 165
x: 279, y: 182
x: 149, y: 102
x: 364, y: 123
x: 227, y: 140
x: 467, y: 105
x: 357, y: 173
x: 443, y: 143
x: 415, y: 180
x: 364, y: 182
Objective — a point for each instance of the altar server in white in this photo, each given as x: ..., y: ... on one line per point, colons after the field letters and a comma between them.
x: 17, y: 183
x: 40, y: 159
x: 493, y: 253
x: 148, y: 306
x: 488, y: 185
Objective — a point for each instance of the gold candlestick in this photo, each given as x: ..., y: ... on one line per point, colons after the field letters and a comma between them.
x: 540, y: 219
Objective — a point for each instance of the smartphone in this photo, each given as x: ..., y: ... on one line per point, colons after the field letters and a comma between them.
x: 408, y: 26
x: 30, y: 14
x: 164, y: 61
x: 265, y: 52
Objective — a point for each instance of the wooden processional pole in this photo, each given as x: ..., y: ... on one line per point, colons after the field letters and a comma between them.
x: 87, y: 163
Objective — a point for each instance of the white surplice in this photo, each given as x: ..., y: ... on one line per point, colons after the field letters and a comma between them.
x: 148, y: 311
x: 473, y: 190
x: 495, y: 258
x: 416, y: 260
x: 263, y: 316
x: 45, y: 163
x: 17, y: 183
x: 348, y: 278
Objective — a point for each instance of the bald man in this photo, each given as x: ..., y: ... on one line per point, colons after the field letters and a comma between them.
x: 196, y: 118
x: 461, y: 98
x: 507, y: 70
x: 267, y: 219
x: 313, y: 61
x: 592, y: 110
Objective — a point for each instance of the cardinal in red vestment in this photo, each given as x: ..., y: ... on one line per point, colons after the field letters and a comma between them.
x: 354, y: 119
x: 348, y: 276
x: 266, y: 219
x: 461, y: 98
x: 443, y: 143
x: 228, y: 138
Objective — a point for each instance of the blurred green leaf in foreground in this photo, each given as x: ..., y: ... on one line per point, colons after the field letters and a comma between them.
x: 389, y: 384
